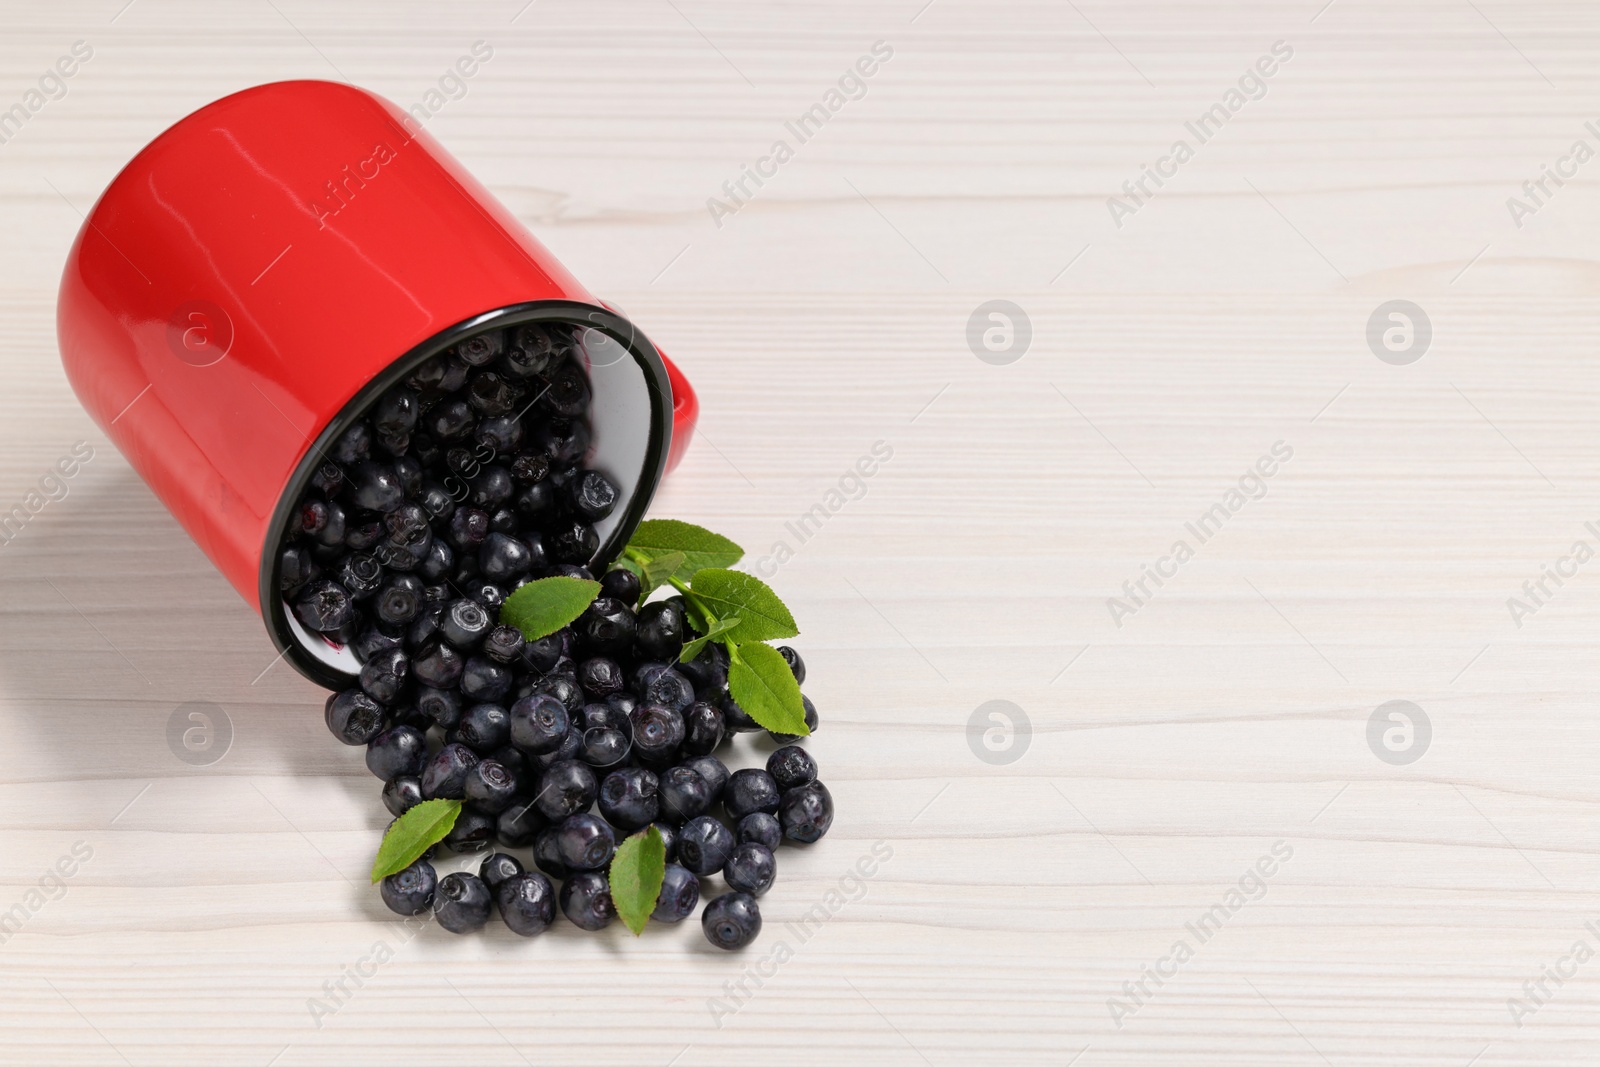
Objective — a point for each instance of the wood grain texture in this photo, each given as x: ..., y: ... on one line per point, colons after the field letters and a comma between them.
x: 1168, y: 754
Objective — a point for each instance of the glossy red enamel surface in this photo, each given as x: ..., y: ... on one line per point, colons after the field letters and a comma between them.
x: 307, y: 228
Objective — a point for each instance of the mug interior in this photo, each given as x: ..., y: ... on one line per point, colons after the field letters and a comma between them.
x: 630, y: 419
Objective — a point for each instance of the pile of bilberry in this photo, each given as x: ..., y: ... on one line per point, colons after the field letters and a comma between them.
x: 505, y: 692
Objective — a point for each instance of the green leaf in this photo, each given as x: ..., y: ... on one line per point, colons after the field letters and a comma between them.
x: 542, y: 607
x: 765, y: 688
x: 717, y: 629
x: 637, y: 871
x: 700, y: 547
x: 657, y: 569
x: 412, y: 834
x: 762, y: 616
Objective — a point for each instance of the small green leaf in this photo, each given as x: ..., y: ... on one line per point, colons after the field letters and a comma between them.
x: 542, y: 607
x: 718, y: 628
x: 700, y: 547
x: 762, y: 616
x: 657, y: 569
x: 412, y: 834
x: 637, y: 871
x: 765, y: 688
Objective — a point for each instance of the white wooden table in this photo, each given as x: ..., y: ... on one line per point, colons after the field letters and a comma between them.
x: 221, y: 915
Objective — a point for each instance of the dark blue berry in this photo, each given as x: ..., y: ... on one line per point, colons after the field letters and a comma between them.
x: 352, y: 446
x: 535, y: 499
x: 684, y: 794
x: 484, y: 679
x: 680, y: 895
x: 295, y: 569
x: 569, y: 391
x: 449, y: 420
x: 492, y: 394
x: 374, y: 639
x: 385, y: 674
x: 469, y: 527
x: 377, y: 487
x: 395, y: 412
x: 761, y: 828
x: 527, y: 903
x: 489, y: 594
x: 483, y: 728
x: 806, y: 812
x: 313, y: 515
x: 539, y: 724
x: 547, y: 854
x: 657, y: 732
x: 400, y: 795
x: 790, y: 766
x: 736, y: 719
x: 492, y: 488
x: 398, y: 602
x: 600, y: 676
x: 564, y: 441
x: 604, y: 747
x: 751, y: 868
x: 438, y: 563
x: 564, y: 687
x: 750, y: 790
x: 473, y: 831
x: 363, y: 530
x: 407, y: 524
x: 566, y: 788
x: 702, y: 729
x: 461, y: 903
x: 669, y: 689
x: 353, y: 717
x: 446, y: 773
x: 571, y: 748
x: 713, y: 770
x: 490, y: 786
x: 500, y: 435
x: 361, y: 575
x: 324, y: 606
x: 516, y: 825
x: 586, y: 900
x: 543, y: 654
x: 398, y: 752
x: 464, y: 624
x: 628, y: 798
x: 585, y: 842
x: 409, y: 471
x: 704, y: 845
x: 443, y: 706
x: 436, y: 664
x: 497, y: 867
x: 732, y: 920
x: 797, y: 666
x: 532, y: 353
x: 328, y: 479
x: 482, y: 348
x: 621, y: 584
x: 606, y: 627
x: 574, y: 542
x: 504, y: 644
x: 661, y: 630
x: 592, y: 495
x: 708, y: 671
x: 411, y: 891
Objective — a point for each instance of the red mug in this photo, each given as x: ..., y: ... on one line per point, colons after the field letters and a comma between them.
x: 263, y: 270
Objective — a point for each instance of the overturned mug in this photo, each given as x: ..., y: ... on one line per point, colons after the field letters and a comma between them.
x: 256, y: 277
